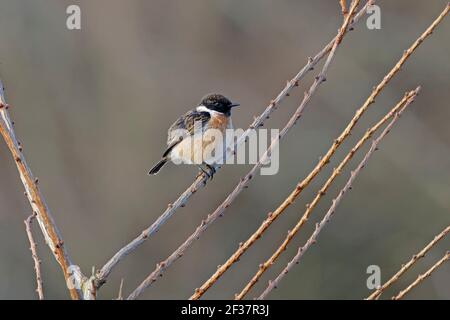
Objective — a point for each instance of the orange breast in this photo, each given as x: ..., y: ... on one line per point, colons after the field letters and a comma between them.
x: 218, y: 121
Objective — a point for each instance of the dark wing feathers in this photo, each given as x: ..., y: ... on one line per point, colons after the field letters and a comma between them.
x: 186, y: 122
x: 171, y: 146
x: 195, y: 116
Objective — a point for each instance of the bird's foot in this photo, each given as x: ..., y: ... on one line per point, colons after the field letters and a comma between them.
x: 212, y: 171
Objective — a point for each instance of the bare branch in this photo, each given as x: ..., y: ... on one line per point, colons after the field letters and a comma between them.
x: 120, y: 295
x: 394, y: 113
x: 422, y: 277
x: 322, y: 191
x: 244, y: 181
x: 36, y: 199
x: 343, y: 7
x: 376, y: 294
x: 324, y: 160
x: 201, y: 180
x: 37, y: 262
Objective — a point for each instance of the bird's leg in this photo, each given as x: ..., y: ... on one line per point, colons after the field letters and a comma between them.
x: 212, y: 170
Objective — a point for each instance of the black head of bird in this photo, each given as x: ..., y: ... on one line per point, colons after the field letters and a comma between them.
x: 217, y: 102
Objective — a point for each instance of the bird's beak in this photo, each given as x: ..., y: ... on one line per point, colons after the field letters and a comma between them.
x: 235, y: 105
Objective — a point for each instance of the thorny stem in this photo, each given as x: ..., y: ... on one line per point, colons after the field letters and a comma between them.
x: 377, y: 293
x: 324, y: 160
x: 394, y: 114
x: 422, y: 277
x: 36, y: 199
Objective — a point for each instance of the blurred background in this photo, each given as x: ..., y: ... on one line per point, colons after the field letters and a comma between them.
x: 92, y: 106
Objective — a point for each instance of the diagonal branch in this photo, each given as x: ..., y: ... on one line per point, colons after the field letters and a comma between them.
x: 244, y: 181
x: 36, y: 199
x: 324, y: 160
x: 322, y: 191
x: 377, y: 293
x: 394, y: 114
x: 200, y: 181
x: 422, y: 277
x: 37, y: 262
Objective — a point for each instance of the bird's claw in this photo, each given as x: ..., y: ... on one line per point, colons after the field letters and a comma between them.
x: 210, y: 172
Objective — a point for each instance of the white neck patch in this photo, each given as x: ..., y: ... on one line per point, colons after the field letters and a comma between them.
x: 211, y: 112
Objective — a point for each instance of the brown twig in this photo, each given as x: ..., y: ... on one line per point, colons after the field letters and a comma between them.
x: 343, y: 7
x: 36, y: 199
x: 200, y: 182
x: 244, y: 181
x: 322, y: 191
x: 376, y: 294
x: 422, y: 277
x: 37, y: 262
x: 324, y: 160
x: 394, y: 114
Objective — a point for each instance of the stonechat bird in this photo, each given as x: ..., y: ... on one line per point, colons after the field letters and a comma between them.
x: 192, y: 133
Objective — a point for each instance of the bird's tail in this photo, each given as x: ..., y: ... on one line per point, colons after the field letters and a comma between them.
x: 158, y: 166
